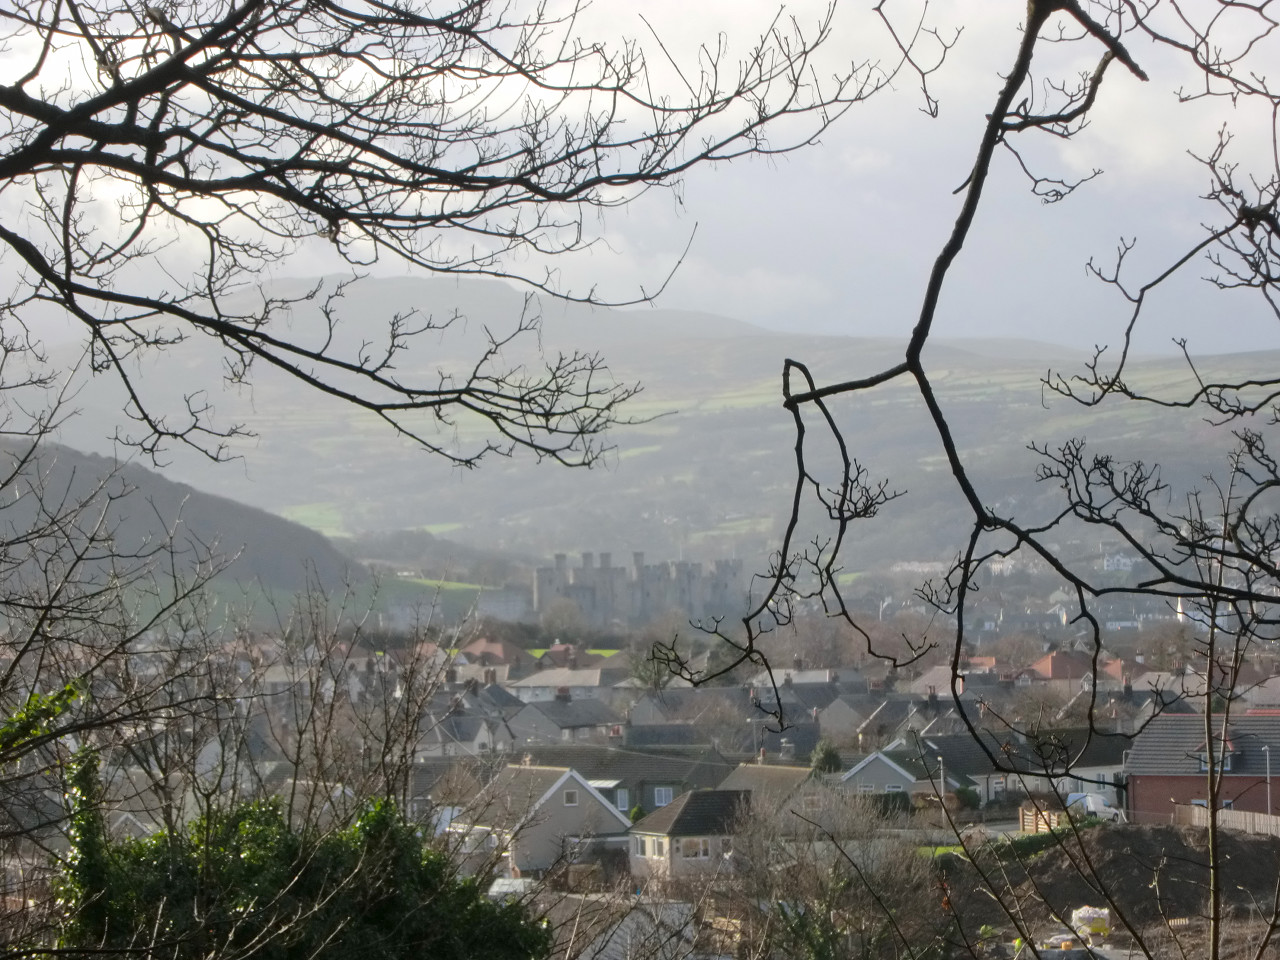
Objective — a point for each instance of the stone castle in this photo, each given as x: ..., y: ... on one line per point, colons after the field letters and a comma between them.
x: 637, y: 594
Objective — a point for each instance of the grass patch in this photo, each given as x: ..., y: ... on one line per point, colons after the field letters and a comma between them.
x: 444, y: 584
x: 941, y: 849
x: 435, y: 529
x: 734, y: 528
x: 322, y: 517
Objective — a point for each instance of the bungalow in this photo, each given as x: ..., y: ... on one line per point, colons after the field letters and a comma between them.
x: 902, y: 771
x: 631, y: 777
x: 587, y: 683
x: 529, y: 819
x: 564, y: 721
x: 692, y: 835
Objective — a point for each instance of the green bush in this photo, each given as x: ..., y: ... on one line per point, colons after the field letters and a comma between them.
x: 244, y: 883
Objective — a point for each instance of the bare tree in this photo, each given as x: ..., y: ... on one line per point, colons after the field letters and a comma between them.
x: 160, y: 160
x: 1212, y: 549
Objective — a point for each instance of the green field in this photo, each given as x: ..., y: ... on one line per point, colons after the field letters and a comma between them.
x: 324, y: 518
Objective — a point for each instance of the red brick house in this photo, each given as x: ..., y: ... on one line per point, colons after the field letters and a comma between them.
x: 1171, y: 759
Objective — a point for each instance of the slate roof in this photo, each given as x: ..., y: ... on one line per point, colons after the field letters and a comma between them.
x: 660, y: 734
x: 767, y: 781
x: 568, y: 714
x: 803, y: 737
x: 698, y: 813
x: 924, y: 769
x: 656, y: 930
x: 511, y: 796
x: 493, y: 697
x: 696, y: 767
x: 1171, y: 745
x: 564, y: 677
x: 1056, y: 753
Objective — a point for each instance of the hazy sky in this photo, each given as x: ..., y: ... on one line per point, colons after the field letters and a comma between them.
x: 838, y: 238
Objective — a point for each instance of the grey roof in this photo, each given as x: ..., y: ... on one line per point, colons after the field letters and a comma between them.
x: 511, y: 796
x: 656, y: 930
x: 1172, y: 744
x: 658, y: 734
x: 568, y: 714
x: 1053, y: 752
x: 925, y: 768
x: 493, y: 697
x: 767, y: 781
x: 693, y: 767
x: 698, y: 813
x: 598, y: 676
x: 763, y: 734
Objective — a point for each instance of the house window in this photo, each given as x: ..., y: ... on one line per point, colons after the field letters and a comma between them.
x: 811, y: 802
x: 695, y: 848
x: 622, y: 799
x: 637, y: 846
x: 571, y: 798
x: 659, y: 847
x: 663, y: 795
x: 866, y: 788
x: 893, y: 788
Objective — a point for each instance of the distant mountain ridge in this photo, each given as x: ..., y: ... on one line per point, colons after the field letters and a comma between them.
x: 708, y: 471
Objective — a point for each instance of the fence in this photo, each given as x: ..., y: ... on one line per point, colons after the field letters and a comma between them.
x: 1186, y: 814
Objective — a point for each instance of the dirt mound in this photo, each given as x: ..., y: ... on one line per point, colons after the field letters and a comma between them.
x: 1151, y: 874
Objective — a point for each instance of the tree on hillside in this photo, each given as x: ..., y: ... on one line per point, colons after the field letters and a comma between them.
x: 1208, y: 549
x: 160, y: 161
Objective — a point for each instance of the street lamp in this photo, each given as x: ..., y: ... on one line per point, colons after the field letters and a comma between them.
x: 1267, y: 750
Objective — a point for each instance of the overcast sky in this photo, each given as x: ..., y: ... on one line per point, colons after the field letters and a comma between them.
x: 838, y: 238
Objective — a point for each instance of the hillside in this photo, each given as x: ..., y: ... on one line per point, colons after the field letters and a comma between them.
x: 140, y: 507
x: 707, y: 469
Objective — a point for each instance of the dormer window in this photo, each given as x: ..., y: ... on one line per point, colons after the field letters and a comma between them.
x: 1223, y: 750
x: 1221, y: 762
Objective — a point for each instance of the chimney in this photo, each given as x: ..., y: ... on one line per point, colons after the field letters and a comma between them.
x: 797, y: 664
x: 451, y: 675
x: 787, y: 750
x: 490, y: 676
x: 563, y: 695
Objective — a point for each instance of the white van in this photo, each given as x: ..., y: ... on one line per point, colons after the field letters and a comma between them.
x: 1094, y: 804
